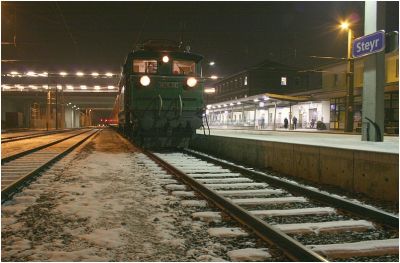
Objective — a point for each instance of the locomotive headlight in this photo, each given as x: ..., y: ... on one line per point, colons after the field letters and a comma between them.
x: 191, y: 82
x: 165, y: 59
x: 145, y: 81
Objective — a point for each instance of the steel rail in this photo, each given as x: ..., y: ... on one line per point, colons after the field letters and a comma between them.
x: 29, y: 136
x: 292, y: 248
x: 20, y: 154
x: 11, y: 189
x: 363, y: 211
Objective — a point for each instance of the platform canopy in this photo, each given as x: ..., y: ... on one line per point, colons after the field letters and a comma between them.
x: 264, y: 98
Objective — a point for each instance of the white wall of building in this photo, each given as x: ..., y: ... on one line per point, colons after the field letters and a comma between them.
x: 71, y: 118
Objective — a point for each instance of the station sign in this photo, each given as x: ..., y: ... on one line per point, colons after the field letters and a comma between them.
x: 369, y: 44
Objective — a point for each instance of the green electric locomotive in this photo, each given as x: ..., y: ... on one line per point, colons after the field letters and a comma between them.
x: 160, y: 101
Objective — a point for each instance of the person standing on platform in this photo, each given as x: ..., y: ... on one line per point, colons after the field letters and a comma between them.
x: 285, y: 123
x: 294, y: 122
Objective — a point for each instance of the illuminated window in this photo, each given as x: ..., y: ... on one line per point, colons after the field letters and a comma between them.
x: 145, y: 66
x: 245, y: 80
x: 283, y: 81
x: 181, y: 67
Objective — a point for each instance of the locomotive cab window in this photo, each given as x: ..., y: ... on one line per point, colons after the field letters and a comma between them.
x: 145, y: 66
x: 181, y: 67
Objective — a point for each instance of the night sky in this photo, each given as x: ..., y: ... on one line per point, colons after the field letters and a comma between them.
x: 98, y: 35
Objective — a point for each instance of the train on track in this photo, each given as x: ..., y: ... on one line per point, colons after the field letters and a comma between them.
x: 160, y: 100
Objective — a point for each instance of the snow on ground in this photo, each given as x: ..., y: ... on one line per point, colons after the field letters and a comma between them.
x: 363, y: 248
x: 233, y: 193
x: 226, y: 232
x: 102, y: 204
x: 265, y: 201
x: 249, y: 254
x: 224, y: 180
x: 334, y: 226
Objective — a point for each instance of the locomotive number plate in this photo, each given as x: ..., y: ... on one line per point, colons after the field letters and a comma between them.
x: 169, y: 85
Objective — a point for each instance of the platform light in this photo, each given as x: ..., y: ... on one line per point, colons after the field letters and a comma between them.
x: 238, y: 103
x: 6, y: 87
x: 70, y: 87
x: 83, y: 86
x: 31, y: 74
x: 344, y: 25
x: 209, y: 90
x: 212, y: 63
x: 214, y: 77
x: 45, y: 86
x: 33, y: 87
x: 14, y: 73
x: 77, y: 108
x: 208, y: 106
x: 261, y: 104
x: 44, y: 74
x: 165, y: 59
x: 96, y: 87
x: 110, y: 87
x: 95, y: 74
x: 109, y: 74
x: 63, y: 73
x: 59, y: 86
x: 265, y: 97
x: 80, y: 74
x: 219, y: 106
x: 256, y: 100
x: 232, y: 104
x: 21, y: 87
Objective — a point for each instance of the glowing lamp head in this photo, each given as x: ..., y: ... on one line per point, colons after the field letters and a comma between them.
x: 165, y: 59
x: 145, y: 81
x: 191, y: 82
x: 344, y: 25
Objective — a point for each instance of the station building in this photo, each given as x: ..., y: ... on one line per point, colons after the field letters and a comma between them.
x: 253, y: 98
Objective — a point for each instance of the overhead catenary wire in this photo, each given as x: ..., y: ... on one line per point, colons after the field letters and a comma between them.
x: 144, y: 24
x: 67, y: 28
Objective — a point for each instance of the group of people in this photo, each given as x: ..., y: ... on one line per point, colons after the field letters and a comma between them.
x: 286, y: 123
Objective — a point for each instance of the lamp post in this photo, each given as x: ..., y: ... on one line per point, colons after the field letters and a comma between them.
x: 348, y: 127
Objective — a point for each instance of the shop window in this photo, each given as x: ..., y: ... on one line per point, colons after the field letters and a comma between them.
x: 283, y: 81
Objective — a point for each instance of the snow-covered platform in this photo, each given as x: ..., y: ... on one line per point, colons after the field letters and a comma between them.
x: 325, y: 139
x: 341, y: 160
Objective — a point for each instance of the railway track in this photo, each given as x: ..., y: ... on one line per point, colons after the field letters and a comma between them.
x: 7, y: 139
x: 306, y: 224
x: 18, y: 149
x: 19, y: 169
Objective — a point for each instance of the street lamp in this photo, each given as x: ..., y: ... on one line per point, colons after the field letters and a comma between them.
x: 348, y: 127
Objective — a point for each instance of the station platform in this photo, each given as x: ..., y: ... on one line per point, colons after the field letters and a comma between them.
x: 323, y: 158
x: 312, y: 137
